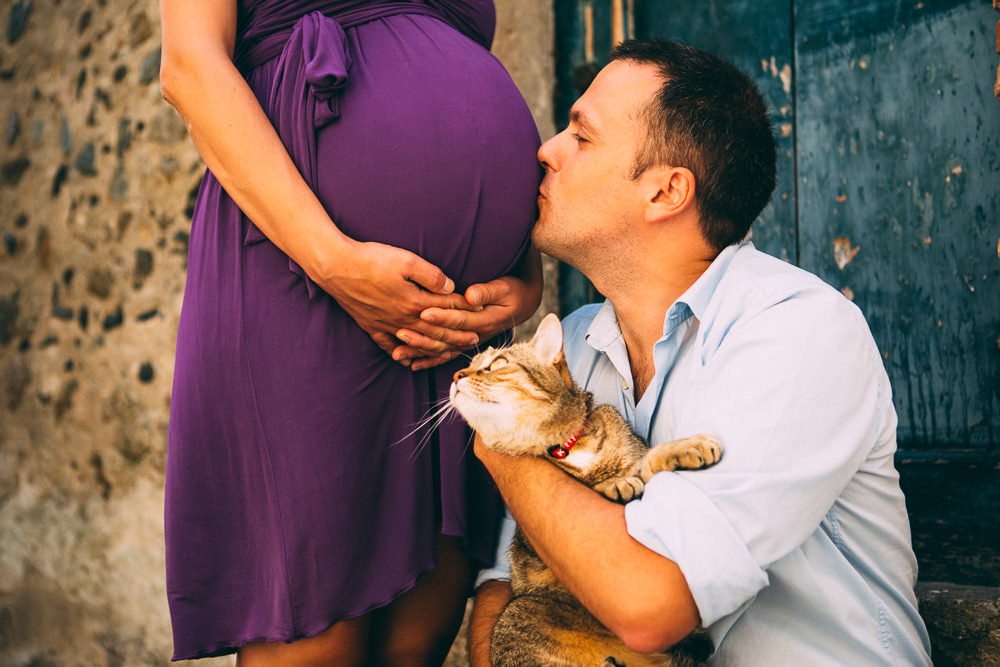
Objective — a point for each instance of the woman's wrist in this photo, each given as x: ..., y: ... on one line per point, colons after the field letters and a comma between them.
x: 329, y: 254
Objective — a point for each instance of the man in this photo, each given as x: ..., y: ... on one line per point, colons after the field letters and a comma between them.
x: 795, y: 548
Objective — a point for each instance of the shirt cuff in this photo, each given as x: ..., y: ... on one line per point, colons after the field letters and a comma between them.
x: 501, y: 562
x: 677, y: 520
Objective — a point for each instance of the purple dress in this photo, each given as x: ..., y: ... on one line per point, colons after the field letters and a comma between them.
x: 298, y: 492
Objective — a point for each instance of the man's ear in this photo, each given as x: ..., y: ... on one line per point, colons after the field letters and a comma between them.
x: 674, y: 194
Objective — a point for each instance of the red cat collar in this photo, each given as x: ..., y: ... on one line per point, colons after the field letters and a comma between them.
x: 562, y: 451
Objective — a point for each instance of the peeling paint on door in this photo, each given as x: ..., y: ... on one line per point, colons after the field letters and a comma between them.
x: 843, y: 253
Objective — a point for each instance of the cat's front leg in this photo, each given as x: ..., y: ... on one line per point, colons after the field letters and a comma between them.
x: 692, y: 453
x: 621, y: 489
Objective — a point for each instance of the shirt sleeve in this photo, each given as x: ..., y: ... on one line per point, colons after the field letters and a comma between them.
x: 798, y: 396
x: 476, y: 19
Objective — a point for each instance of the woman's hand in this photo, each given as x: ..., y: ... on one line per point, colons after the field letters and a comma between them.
x: 385, y: 289
x: 488, y: 309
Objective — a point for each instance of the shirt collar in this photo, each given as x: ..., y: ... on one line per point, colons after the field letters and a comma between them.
x: 604, y: 329
x: 698, y: 296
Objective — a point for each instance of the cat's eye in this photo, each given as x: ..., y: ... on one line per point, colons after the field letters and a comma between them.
x: 498, y: 363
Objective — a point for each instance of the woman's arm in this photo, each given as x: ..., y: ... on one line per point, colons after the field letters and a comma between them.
x: 383, y: 288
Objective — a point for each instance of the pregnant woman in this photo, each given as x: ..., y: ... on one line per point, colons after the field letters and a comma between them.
x: 368, y: 161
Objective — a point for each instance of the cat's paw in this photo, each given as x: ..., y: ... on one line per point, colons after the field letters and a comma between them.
x: 692, y: 453
x: 621, y: 489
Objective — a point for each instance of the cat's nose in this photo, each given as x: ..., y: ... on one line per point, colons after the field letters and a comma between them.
x: 459, y: 375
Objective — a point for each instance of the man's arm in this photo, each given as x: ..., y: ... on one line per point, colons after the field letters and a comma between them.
x: 491, y: 598
x: 639, y: 595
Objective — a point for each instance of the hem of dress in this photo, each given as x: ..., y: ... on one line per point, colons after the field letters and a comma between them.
x: 230, y: 647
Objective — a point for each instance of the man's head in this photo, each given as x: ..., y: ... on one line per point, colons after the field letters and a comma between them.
x: 665, y: 132
x: 708, y: 116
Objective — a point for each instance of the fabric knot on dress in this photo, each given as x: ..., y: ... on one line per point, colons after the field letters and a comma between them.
x: 327, y: 64
x: 311, y: 76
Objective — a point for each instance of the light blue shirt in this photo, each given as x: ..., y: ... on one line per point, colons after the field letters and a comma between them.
x: 796, y: 545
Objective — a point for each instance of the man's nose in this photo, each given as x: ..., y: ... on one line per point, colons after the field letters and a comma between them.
x: 548, y: 154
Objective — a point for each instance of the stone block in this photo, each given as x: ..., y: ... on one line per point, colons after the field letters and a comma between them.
x: 963, y: 623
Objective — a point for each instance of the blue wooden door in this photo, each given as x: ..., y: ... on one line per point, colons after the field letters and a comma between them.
x: 889, y: 190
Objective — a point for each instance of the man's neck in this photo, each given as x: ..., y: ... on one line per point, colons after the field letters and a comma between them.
x: 642, y: 308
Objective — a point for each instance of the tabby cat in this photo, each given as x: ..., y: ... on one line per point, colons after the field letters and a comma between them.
x: 522, y: 401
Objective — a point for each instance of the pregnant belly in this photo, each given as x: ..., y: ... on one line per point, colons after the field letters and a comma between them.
x: 434, y: 150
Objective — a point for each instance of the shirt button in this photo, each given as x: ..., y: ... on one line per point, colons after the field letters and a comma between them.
x: 624, y: 384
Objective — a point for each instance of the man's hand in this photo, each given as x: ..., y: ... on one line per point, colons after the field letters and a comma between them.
x: 491, y: 598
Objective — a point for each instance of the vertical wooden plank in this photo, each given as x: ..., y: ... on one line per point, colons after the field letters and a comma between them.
x: 586, y: 30
x: 617, y: 22
x: 582, y: 41
x: 756, y: 37
x: 584, y: 36
x: 899, y: 199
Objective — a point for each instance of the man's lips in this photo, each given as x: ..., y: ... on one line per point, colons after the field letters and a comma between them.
x: 541, y: 189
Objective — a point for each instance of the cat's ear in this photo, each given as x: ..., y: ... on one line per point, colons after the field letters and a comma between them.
x: 548, y: 339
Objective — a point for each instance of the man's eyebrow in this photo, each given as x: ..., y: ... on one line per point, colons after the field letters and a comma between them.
x: 580, y: 118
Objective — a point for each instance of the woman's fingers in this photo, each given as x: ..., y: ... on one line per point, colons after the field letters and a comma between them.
x: 438, y: 340
x: 424, y: 363
x: 375, y: 284
x: 418, y: 360
x: 423, y: 273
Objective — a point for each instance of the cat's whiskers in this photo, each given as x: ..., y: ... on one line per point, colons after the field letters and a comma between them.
x: 429, y: 423
x: 469, y: 442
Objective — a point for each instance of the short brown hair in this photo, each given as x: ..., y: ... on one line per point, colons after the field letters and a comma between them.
x: 709, y: 117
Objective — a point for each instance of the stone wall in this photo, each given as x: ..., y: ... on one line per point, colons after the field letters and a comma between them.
x: 963, y: 623
x: 97, y: 179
